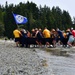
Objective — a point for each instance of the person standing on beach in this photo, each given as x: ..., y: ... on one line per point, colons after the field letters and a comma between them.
x: 60, y: 36
x: 23, y: 37
x: 73, y: 33
x: 17, y: 35
x: 70, y: 38
x: 46, y: 34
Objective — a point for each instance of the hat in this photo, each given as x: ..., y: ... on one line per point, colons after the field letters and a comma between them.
x: 57, y: 29
x: 36, y: 29
x: 53, y: 30
x: 72, y: 28
x: 32, y: 30
x: 25, y: 31
x: 63, y: 31
x: 40, y: 29
x: 68, y: 30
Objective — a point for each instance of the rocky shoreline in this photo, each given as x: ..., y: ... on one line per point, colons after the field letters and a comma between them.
x: 20, y: 61
x: 33, y: 61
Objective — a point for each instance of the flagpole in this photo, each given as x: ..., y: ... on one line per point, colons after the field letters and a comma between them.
x: 16, y: 23
x: 19, y: 19
x: 17, y: 26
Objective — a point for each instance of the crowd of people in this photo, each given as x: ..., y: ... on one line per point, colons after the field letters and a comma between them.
x: 64, y: 38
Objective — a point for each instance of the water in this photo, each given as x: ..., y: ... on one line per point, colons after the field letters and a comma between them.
x: 36, y: 61
x: 60, y: 64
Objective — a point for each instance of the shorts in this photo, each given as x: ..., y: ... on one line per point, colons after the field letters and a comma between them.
x: 47, y: 40
x: 71, y: 39
x: 17, y: 39
x: 74, y: 39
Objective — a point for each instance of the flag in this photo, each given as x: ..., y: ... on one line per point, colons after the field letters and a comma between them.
x: 19, y: 19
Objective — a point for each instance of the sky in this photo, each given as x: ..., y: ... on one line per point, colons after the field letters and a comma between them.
x: 68, y: 5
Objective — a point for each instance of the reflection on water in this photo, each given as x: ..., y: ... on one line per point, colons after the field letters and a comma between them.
x: 58, y: 52
x: 60, y: 62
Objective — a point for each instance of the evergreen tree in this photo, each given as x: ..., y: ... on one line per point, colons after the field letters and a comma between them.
x: 37, y: 17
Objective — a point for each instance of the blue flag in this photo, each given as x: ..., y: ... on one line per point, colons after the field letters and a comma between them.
x: 20, y: 19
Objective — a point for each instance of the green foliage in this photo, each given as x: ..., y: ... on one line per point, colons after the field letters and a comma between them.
x: 37, y: 17
x: 1, y: 29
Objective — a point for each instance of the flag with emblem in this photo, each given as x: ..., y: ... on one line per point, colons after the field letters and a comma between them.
x: 19, y: 19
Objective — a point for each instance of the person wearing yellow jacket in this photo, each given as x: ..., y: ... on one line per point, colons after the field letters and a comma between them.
x: 17, y: 35
x: 46, y: 34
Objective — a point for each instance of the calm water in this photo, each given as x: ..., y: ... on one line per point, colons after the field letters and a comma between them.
x: 60, y: 63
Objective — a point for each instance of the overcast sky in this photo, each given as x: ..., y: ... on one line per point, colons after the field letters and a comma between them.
x: 68, y: 5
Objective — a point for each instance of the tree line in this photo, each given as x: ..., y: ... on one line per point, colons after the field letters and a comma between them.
x: 39, y: 17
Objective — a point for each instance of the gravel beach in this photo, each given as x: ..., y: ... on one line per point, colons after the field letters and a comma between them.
x: 21, y: 61
x: 33, y: 61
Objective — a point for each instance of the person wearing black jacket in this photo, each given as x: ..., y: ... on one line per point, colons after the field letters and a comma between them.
x: 23, y: 37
